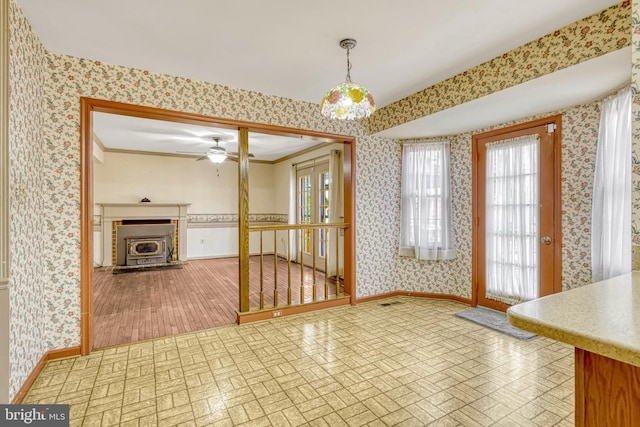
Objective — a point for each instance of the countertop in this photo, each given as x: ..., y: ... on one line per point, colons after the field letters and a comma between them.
x: 602, y: 317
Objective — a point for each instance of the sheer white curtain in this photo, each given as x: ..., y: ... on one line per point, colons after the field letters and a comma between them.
x: 611, y: 213
x: 512, y: 225
x: 426, y: 225
x: 335, y: 207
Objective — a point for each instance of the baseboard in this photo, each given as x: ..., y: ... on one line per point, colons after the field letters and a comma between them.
x: 49, y: 355
x: 377, y: 297
x: 448, y: 297
x: 271, y: 313
x: 63, y: 352
x: 222, y: 256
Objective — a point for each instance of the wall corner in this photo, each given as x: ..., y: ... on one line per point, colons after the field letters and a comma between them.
x: 4, y: 201
x: 635, y: 151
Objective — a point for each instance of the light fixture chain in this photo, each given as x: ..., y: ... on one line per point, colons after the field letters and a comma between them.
x: 348, y: 66
x: 347, y: 100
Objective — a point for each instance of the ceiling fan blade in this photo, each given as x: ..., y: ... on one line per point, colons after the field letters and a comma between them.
x: 236, y: 154
x: 190, y: 152
x: 164, y: 132
x: 202, y: 158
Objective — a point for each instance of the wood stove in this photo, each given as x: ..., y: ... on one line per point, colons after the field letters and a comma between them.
x: 142, y: 220
x: 148, y: 250
x: 145, y: 242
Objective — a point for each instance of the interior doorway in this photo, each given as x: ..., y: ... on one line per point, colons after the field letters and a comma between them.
x: 89, y: 106
x: 517, y: 213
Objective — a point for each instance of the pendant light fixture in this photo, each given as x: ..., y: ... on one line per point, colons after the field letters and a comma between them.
x: 348, y: 100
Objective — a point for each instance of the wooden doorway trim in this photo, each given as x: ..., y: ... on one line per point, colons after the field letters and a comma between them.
x: 89, y: 105
x: 557, y: 214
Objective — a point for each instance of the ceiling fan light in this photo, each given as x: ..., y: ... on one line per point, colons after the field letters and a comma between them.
x: 217, y: 157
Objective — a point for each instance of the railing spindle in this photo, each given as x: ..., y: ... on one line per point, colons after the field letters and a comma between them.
x: 301, y: 267
x: 275, y: 268
x: 337, y: 263
x: 288, y: 267
x: 261, y: 274
x: 326, y: 263
x: 313, y: 254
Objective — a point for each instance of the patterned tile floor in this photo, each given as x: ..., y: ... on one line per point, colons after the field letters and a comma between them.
x: 408, y: 364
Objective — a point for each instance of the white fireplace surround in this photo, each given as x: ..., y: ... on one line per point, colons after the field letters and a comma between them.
x: 111, y: 212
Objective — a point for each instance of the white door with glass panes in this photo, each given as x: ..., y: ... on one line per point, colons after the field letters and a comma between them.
x: 517, y: 225
x: 313, y: 208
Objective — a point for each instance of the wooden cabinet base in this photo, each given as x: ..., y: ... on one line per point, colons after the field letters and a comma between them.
x: 607, y: 391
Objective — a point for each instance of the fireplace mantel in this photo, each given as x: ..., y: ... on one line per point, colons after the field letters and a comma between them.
x: 110, y: 212
x: 119, y: 211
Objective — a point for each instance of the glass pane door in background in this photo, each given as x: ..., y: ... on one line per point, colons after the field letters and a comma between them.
x: 323, y: 213
x: 313, y: 208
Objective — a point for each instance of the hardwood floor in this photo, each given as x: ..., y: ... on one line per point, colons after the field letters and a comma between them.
x: 203, y: 294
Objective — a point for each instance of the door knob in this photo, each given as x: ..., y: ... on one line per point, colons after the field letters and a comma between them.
x: 546, y: 240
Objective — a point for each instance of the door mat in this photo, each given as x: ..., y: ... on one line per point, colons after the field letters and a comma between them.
x: 495, y: 320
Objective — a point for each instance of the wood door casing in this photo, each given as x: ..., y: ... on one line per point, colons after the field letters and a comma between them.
x: 550, y: 213
x: 89, y: 105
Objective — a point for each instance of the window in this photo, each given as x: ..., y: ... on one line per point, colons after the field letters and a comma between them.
x: 426, y: 229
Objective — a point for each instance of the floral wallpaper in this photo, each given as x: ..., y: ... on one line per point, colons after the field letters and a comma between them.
x: 579, y: 144
x: 70, y: 78
x: 595, y: 35
x: 378, y: 169
x: 635, y: 90
x: 26, y: 162
x: 579, y: 140
x: 47, y: 177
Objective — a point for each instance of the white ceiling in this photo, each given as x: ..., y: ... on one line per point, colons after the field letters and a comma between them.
x: 119, y: 132
x: 289, y: 48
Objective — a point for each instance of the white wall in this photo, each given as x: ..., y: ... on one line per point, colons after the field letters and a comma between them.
x: 221, y: 242
x: 98, y: 153
x: 127, y: 178
x: 130, y: 177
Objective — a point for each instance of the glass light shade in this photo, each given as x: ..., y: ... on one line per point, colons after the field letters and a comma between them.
x: 348, y: 101
x: 217, y: 157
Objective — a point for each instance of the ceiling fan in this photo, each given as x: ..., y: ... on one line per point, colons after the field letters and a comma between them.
x: 216, y: 154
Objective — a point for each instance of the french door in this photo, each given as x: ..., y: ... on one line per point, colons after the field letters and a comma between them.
x: 517, y: 248
x: 313, y: 208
